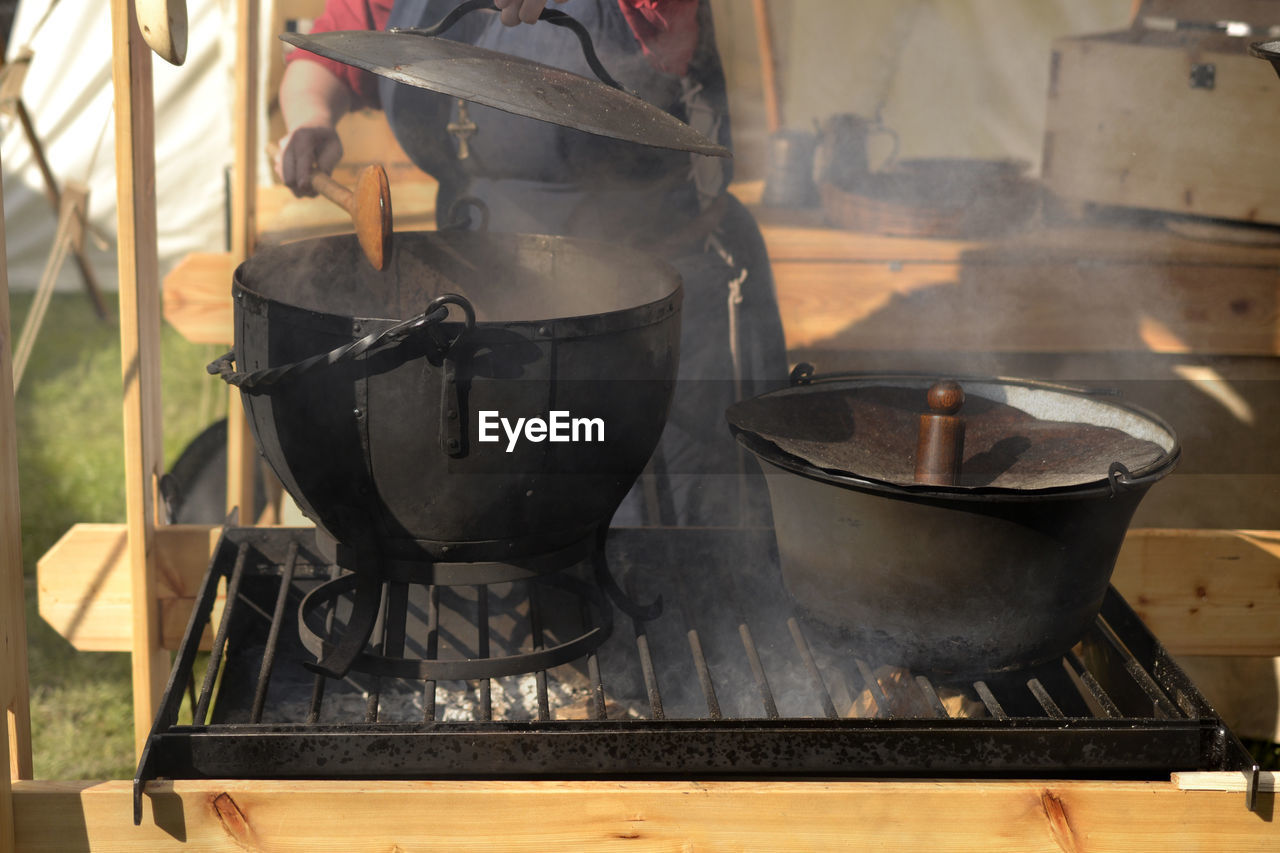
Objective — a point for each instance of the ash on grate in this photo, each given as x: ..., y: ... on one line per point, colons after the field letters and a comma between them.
x: 512, y: 698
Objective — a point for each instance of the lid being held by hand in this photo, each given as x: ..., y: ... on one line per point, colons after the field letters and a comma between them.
x: 519, y: 86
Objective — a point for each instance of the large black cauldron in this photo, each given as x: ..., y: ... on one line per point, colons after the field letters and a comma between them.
x: 379, y: 443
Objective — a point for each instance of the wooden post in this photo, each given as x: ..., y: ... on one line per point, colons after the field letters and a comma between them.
x: 241, y: 454
x: 15, y: 710
x: 768, y: 65
x: 139, y: 347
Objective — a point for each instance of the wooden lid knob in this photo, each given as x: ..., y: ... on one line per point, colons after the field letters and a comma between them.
x: 946, y: 397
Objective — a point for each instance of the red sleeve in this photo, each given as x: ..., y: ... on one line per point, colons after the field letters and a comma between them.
x: 666, y: 29
x: 349, y: 15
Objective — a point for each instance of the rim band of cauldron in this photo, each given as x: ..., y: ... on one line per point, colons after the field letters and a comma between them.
x: 1117, y: 480
x: 558, y: 328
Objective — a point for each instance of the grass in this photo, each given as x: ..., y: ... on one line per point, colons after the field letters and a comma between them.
x: 71, y: 469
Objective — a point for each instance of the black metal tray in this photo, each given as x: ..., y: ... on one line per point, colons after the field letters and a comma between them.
x: 709, y: 673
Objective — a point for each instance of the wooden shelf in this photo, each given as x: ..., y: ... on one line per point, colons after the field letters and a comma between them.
x: 1046, y: 289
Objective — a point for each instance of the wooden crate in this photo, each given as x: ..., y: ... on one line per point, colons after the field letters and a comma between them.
x: 1184, y: 122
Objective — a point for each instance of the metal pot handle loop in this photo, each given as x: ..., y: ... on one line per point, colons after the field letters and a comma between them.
x: 551, y: 16
x: 436, y: 312
x: 801, y: 374
x: 458, y: 218
x: 1122, y: 480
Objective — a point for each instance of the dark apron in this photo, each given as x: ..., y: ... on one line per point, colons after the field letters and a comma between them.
x: 537, y: 178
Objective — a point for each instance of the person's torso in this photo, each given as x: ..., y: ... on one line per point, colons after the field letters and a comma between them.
x: 540, y: 177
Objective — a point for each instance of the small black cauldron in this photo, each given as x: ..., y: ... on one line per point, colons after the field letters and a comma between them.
x: 1005, y: 569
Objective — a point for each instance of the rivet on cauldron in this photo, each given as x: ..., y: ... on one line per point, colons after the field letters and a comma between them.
x: 453, y: 415
x: 543, y: 330
x: 359, y: 413
x: 356, y: 327
x: 453, y: 444
x: 529, y: 493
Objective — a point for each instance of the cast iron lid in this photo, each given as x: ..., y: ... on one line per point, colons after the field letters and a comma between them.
x: 504, y: 82
x: 1020, y: 436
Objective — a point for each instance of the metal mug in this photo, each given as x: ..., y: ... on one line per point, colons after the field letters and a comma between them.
x: 789, y: 182
x: 842, y: 155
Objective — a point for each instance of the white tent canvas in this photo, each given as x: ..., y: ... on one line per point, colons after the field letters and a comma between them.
x: 69, y: 96
x: 964, y: 78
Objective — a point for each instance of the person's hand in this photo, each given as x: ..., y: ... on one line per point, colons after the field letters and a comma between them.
x: 304, y: 150
x: 516, y: 11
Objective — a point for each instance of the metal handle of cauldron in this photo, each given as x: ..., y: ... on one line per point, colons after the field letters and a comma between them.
x: 459, y: 220
x: 551, y: 16
x: 1121, y: 480
x: 435, y: 313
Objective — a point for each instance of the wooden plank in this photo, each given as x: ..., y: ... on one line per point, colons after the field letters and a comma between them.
x: 1221, y: 781
x: 140, y: 346
x: 197, y: 298
x: 1231, y: 578
x: 803, y: 236
x: 1205, y: 592
x: 15, y: 708
x: 1241, y: 689
x: 601, y: 816
x: 84, y: 587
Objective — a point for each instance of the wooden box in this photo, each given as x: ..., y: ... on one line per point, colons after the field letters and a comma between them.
x: 1181, y: 120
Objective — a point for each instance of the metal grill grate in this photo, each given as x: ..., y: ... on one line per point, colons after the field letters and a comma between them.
x: 707, y: 672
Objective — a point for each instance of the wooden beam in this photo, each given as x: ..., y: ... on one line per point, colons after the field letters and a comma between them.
x: 241, y: 456
x: 15, y: 708
x: 85, y: 592
x: 768, y: 65
x: 1223, y: 781
x: 139, y: 347
x: 602, y: 816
